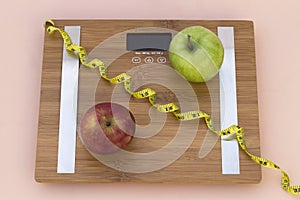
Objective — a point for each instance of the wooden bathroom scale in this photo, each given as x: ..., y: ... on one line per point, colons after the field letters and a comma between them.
x: 152, y: 68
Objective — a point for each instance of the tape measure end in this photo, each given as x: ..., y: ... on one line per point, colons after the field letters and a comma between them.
x: 48, y: 22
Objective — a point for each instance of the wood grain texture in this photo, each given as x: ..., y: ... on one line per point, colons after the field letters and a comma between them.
x: 188, y: 168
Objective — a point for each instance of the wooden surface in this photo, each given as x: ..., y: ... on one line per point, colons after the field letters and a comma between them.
x: 189, y: 168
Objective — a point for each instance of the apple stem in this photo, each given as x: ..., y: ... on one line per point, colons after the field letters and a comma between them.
x: 108, y: 123
x: 189, y: 44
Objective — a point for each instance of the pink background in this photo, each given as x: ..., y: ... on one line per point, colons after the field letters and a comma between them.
x: 277, y: 31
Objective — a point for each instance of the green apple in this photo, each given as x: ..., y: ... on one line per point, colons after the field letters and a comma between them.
x: 196, y: 53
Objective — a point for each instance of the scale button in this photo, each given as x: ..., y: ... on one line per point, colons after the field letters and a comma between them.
x: 161, y: 59
x: 136, y: 60
x: 149, y: 59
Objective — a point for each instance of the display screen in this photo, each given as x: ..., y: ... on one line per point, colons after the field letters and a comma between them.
x: 148, y: 41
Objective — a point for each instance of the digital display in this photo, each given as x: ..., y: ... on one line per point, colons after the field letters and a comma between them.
x: 148, y: 41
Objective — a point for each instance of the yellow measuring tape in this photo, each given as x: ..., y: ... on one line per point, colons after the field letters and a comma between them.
x: 150, y: 94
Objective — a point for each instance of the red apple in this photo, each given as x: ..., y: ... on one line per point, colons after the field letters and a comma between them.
x: 107, y: 127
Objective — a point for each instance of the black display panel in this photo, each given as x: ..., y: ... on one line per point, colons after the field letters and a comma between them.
x: 148, y: 41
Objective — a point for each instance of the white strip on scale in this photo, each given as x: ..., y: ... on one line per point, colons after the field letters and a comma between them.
x: 228, y: 102
x: 68, y: 107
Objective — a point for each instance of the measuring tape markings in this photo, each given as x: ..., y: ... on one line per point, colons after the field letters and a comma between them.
x: 80, y: 52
